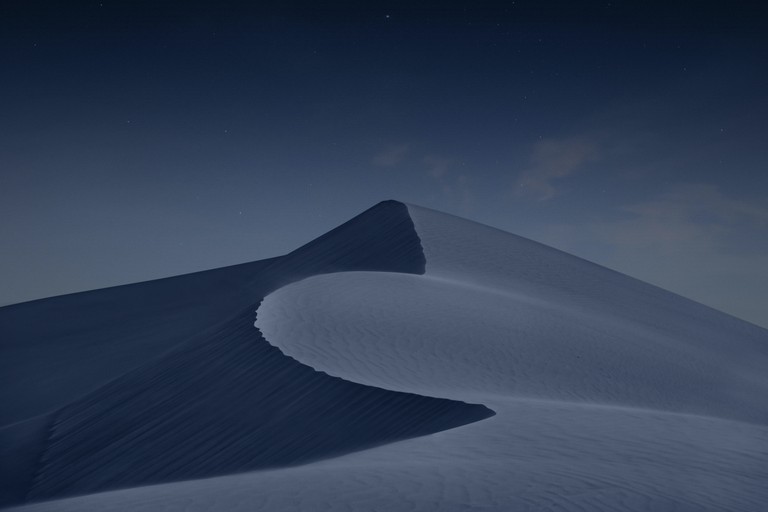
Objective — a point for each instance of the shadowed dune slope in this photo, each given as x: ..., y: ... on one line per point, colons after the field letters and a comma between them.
x: 54, y: 350
x: 169, y: 380
x: 227, y: 403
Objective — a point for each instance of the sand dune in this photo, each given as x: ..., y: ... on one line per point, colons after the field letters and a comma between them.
x: 130, y: 400
x: 410, y: 360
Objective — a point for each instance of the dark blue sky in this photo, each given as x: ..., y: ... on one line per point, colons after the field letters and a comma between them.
x: 146, y: 139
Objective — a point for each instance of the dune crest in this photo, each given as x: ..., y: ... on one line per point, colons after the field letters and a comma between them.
x: 371, y: 344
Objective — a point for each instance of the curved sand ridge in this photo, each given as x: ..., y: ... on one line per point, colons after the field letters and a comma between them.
x: 445, y: 338
x: 501, y: 315
x: 651, y: 401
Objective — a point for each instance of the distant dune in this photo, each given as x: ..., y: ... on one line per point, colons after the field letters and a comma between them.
x: 407, y: 360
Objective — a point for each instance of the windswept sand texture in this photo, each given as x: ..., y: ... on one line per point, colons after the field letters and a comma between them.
x: 410, y: 360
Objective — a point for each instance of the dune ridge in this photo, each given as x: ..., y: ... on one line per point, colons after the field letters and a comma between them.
x: 621, y: 382
x: 609, y: 394
x: 221, y: 401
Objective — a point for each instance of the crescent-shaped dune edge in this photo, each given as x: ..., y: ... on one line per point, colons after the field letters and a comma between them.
x: 412, y: 361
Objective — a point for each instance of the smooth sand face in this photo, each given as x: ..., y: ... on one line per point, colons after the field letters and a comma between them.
x: 613, y: 394
x: 439, y: 337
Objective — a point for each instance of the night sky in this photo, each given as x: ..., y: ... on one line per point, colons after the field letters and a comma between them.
x: 145, y: 139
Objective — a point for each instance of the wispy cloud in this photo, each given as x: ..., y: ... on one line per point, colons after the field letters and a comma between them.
x: 453, y: 182
x: 552, y: 160
x: 686, y: 216
x: 391, y: 156
x: 437, y: 166
x: 693, y: 239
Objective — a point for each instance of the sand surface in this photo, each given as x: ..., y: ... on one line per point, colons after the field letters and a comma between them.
x: 411, y: 361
